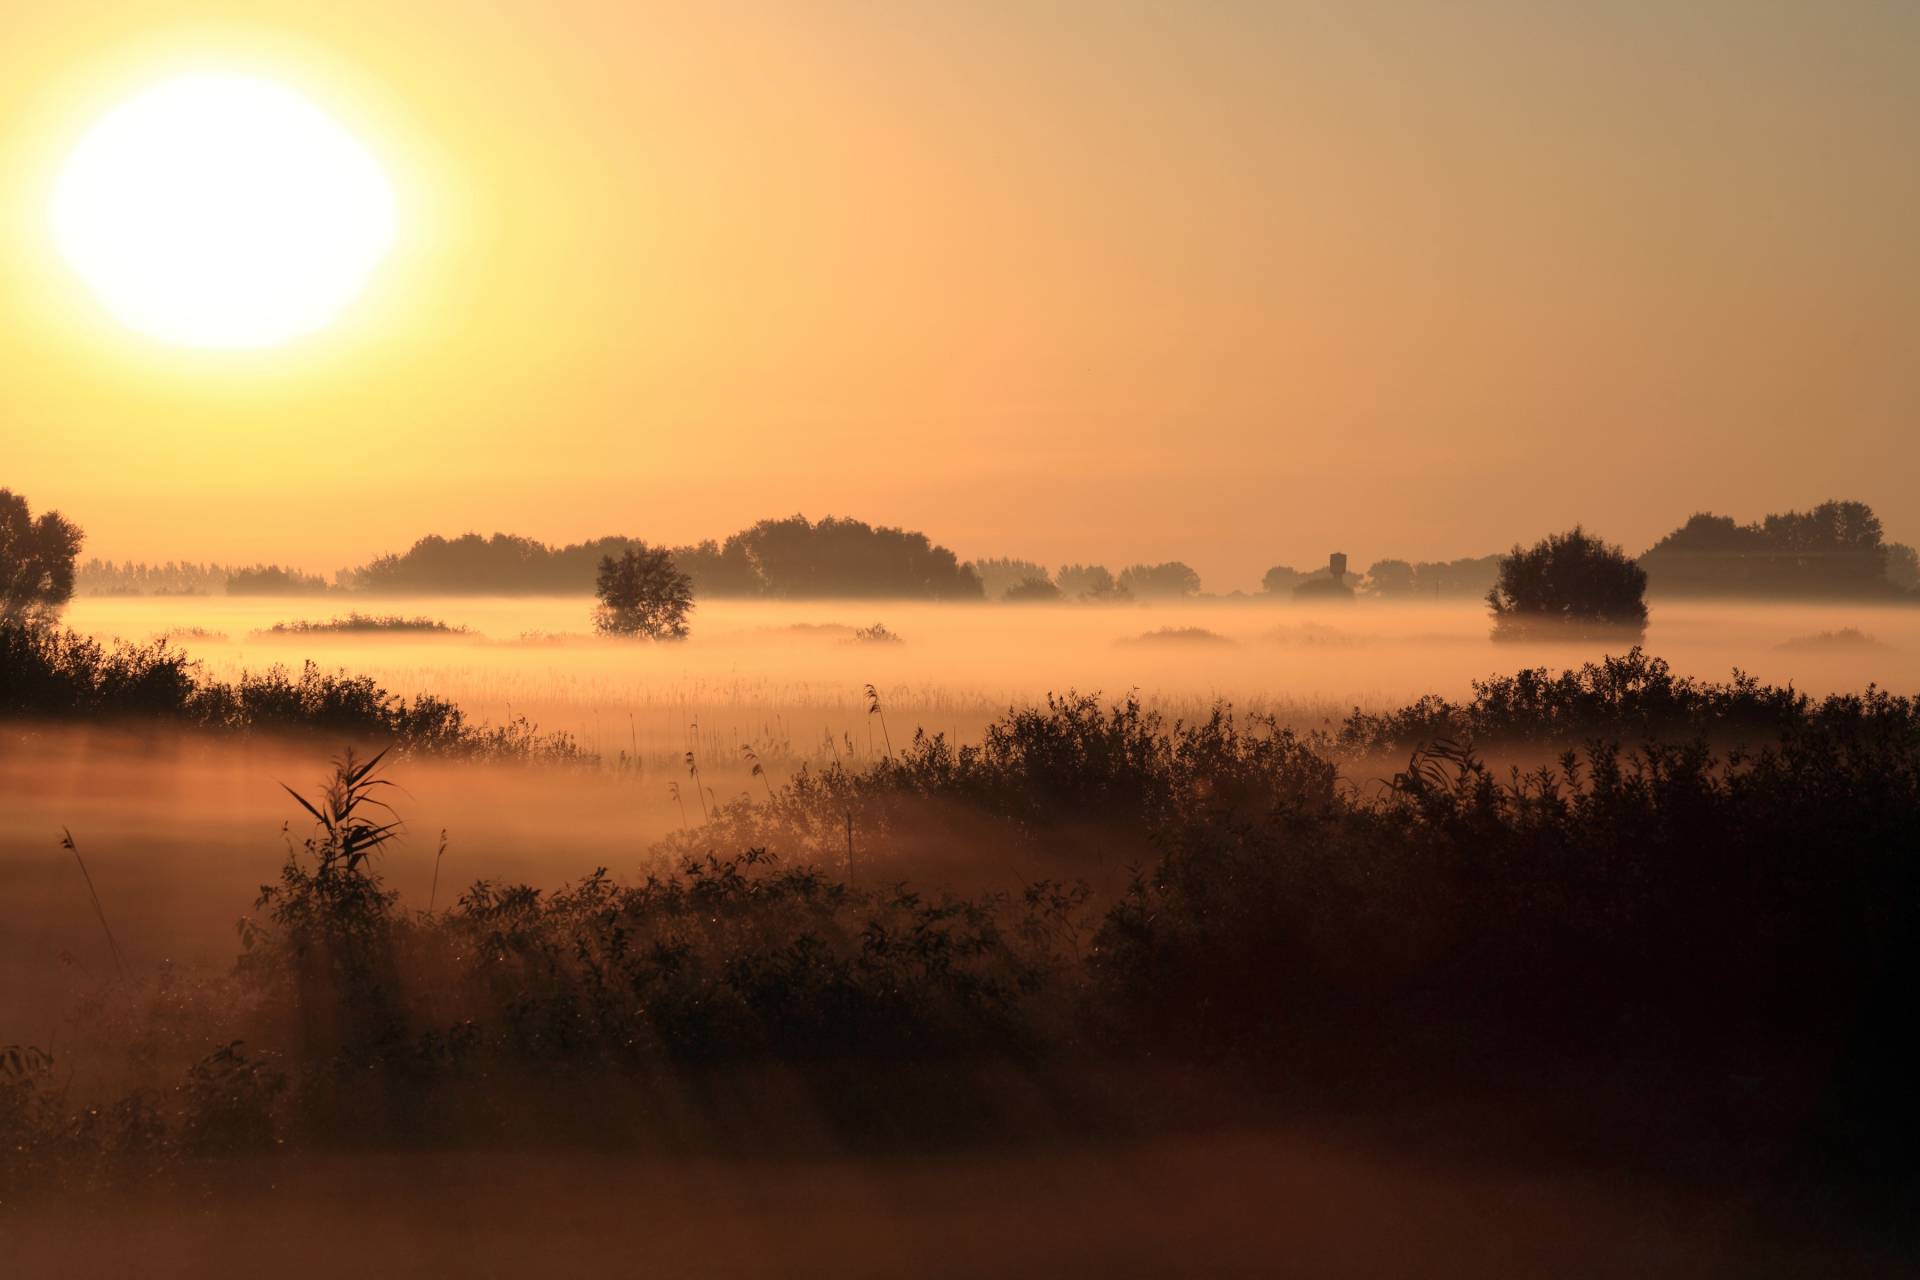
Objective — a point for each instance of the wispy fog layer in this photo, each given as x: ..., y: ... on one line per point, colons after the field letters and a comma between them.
x: 179, y: 832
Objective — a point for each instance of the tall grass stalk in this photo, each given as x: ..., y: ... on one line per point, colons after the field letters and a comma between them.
x: 68, y: 843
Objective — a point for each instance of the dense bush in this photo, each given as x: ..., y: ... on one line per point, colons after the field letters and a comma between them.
x: 56, y: 674
x: 1751, y: 914
x: 1571, y: 585
x: 1631, y: 698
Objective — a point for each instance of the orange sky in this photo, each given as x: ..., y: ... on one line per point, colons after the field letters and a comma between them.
x: 1236, y: 283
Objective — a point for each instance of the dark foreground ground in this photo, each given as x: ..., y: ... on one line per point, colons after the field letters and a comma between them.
x: 1239, y: 1203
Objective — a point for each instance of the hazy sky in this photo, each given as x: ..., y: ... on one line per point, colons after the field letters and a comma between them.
x: 1230, y: 282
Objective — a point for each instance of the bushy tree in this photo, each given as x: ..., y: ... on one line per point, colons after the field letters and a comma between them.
x: 1281, y: 580
x: 1029, y: 590
x: 1171, y: 580
x: 1002, y: 574
x: 36, y: 562
x: 642, y: 594
x: 800, y: 559
x: 1086, y: 582
x: 1390, y: 579
x: 1568, y: 583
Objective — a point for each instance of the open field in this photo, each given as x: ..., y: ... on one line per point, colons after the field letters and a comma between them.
x: 186, y: 826
x: 1363, y: 1062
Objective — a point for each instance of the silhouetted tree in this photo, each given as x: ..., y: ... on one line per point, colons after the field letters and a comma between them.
x: 1281, y: 580
x: 1568, y: 583
x: 642, y: 594
x: 36, y: 562
x: 1171, y: 580
x: 272, y: 580
x: 1030, y: 591
x: 1903, y: 566
x: 98, y: 577
x: 792, y: 558
x: 796, y: 558
x: 1390, y: 579
x: 716, y: 571
x: 1086, y: 582
x: 999, y: 576
x: 1836, y: 549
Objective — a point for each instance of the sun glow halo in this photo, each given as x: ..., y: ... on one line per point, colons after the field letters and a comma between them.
x: 222, y: 210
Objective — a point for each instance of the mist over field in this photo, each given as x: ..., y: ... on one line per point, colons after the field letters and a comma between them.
x: 816, y: 637
x: 187, y: 826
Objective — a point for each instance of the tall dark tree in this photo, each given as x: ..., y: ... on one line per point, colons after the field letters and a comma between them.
x: 642, y: 594
x: 36, y: 562
x: 1568, y: 584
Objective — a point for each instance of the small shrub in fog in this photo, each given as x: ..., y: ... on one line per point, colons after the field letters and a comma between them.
x: 875, y: 634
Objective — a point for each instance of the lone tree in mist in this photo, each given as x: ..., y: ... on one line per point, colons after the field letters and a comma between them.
x: 642, y: 594
x: 36, y: 562
x: 1568, y: 584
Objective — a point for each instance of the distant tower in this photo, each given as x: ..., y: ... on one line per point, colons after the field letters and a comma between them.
x: 1337, y: 566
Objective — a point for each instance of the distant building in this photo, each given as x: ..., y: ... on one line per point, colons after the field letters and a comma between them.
x: 1330, y: 584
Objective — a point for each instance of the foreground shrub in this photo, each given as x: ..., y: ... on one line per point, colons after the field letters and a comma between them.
x: 1658, y: 912
x: 61, y: 675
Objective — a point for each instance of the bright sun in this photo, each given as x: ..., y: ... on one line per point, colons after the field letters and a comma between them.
x: 221, y: 210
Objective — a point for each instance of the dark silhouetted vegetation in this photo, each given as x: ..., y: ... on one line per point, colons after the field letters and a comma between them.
x: 1433, y: 579
x: 1281, y: 580
x: 1031, y: 591
x: 52, y: 674
x: 1179, y: 636
x: 36, y: 562
x: 1835, y: 550
x: 799, y: 559
x: 1845, y: 640
x: 999, y: 576
x: 794, y: 558
x: 1087, y: 582
x: 1633, y: 698
x: 364, y: 622
x: 273, y: 580
x: 642, y: 594
x: 1713, y: 949
x: 1570, y: 585
x: 98, y: 577
x: 1169, y: 581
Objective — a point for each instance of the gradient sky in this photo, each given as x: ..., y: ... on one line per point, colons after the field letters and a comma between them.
x: 1235, y: 283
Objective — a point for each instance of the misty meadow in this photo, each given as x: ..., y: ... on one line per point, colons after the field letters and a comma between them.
x: 817, y: 637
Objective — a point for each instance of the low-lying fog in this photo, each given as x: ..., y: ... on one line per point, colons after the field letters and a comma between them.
x: 178, y: 833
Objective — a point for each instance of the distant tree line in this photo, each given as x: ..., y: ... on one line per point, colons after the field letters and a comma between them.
x: 1024, y: 580
x: 99, y: 577
x: 791, y: 558
x: 1466, y: 578
x: 1838, y: 549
